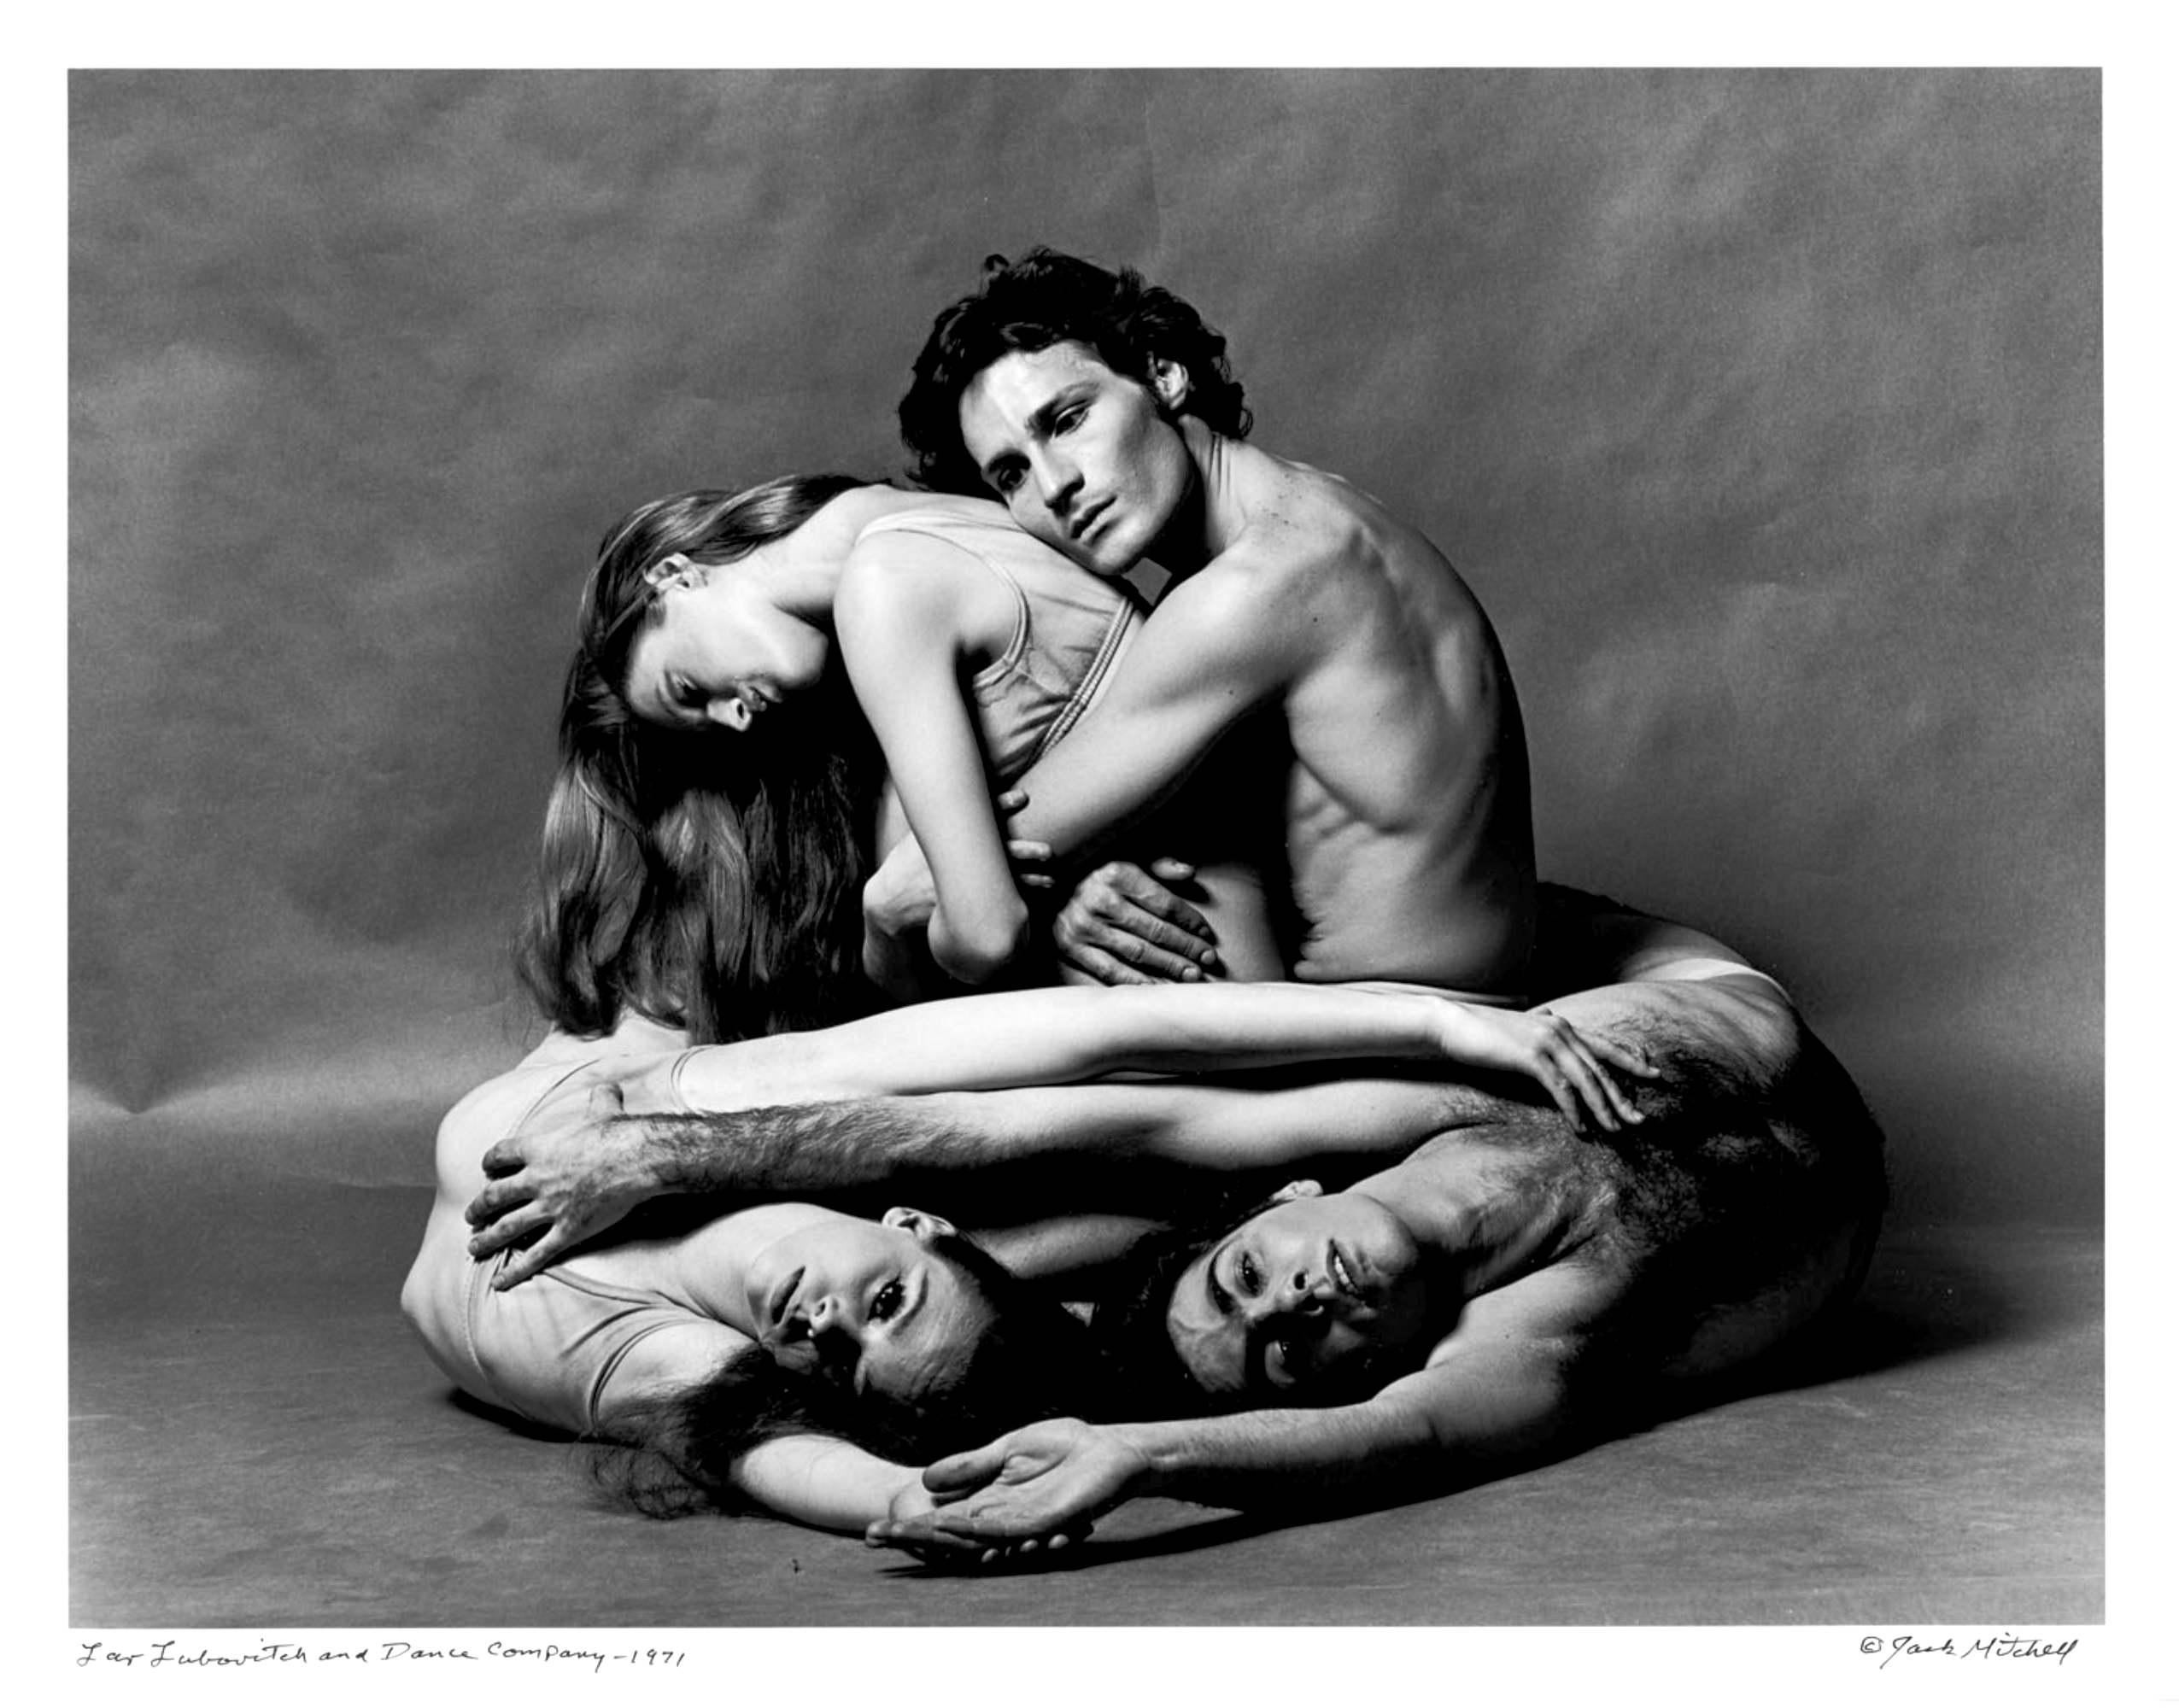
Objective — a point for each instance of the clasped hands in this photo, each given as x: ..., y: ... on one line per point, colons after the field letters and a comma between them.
x: 1039, y: 1489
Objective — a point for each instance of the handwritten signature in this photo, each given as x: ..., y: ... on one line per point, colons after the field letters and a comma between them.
x: 171, y: 1653
x: 2006, y: 1648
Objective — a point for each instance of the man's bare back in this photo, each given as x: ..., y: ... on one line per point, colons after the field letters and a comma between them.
x: 1407, y: 808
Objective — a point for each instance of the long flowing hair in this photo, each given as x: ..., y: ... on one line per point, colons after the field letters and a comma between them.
x: 709, y: 881
x: 675, y: 1455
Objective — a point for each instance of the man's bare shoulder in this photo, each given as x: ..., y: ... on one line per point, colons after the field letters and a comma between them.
x: 1315, y: 510
x: 1313, y: 529
x: 1304, y: 532
x: 1744, y: 1024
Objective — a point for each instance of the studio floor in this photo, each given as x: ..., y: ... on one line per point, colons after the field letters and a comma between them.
x: 268, y: 1455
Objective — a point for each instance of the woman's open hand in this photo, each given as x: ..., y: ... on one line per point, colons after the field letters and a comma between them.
x: 1576, y: 1067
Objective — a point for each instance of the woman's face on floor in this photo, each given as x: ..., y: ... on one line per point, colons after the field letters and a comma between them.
x: 866, y: 1305
x: 720, y: 655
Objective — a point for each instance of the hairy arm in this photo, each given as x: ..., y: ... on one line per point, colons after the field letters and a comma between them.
x: 575, y: 1170
x: 577, y: 1164
x: 1049, y: 1148
x: 903, y: 616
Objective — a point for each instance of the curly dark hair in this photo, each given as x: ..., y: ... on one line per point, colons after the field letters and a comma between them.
x: 1130, y: 1329
x: 675, y: 1455
x: 1044, y: 299
x: 1146, y: 1374
x: 1148, y: 1377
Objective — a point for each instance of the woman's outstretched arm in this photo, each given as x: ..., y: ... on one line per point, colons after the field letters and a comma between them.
x: 602, y: 1143
x: 579, y: 1164
x: 813, y: 1479
x: 1047, y: 1037
x: 828, y: 1483
x: 1060, y: 1036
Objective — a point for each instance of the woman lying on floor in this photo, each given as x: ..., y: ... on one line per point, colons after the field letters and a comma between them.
x: 1491, y: 1285
x: 743, y: 1351
x: 792, y: 1357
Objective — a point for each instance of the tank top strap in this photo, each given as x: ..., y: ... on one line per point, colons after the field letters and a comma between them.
x: 960, y: 533
x: 1069, y: 628
x: 1117, y: 633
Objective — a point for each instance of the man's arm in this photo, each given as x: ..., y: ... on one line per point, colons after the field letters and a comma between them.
x: 1495, y: 1390
x: 574, y: 1165
x: 1229, y: 640
x: 1039, y: 1150
x: 1218, y: 646
x: 574, y: 1171
x: 1123, y: 925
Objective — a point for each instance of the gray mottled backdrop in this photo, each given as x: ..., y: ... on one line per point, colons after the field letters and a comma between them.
x: 1761, y: 409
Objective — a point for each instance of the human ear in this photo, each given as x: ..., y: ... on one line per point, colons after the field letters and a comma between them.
x: 1296, y: 1189
x: 921, y: 1223
x: 674, y: 570
x: 1168, y: 382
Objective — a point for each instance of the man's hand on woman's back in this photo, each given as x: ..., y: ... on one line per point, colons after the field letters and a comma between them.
x: 572, y: 1169
x: 1126, y: 926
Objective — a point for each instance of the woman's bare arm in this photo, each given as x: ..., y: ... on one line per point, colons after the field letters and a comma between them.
x: 579, y: 1164
x: 905, y: 610
x: 830, y: 1484
x: 813, y: 1479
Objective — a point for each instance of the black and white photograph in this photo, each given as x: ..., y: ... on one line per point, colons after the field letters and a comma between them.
x: 1145, y: 847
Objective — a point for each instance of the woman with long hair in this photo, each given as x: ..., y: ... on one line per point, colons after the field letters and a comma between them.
x: 754, y: 666
x: 785, y: 1356
x: 721, y: 799
x: 802, y: 1359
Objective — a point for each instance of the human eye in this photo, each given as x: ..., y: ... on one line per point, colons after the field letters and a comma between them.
x: 887, y: 1303
x: 1069, y: 417
x: 1246, y: 1272
x: 1005, y: 478
x: 1278, y: 1363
